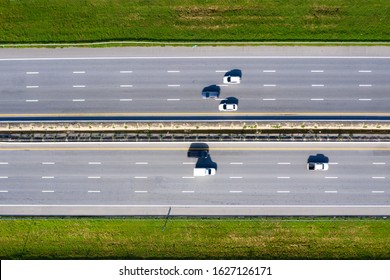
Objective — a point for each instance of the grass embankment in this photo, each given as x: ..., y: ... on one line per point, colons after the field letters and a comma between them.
x: 29, y: 21
x: 194, y: 239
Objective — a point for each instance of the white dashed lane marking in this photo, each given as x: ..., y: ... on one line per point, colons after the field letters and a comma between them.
x: 268, y: 99
x: 283, y: 177
x: 379, y: 163
x: 94, y: 191
x: 47, y: 177
x: 126, y: 86
x: 377, y: 191
x: 78, y: 100
x: 124, y: 100
x: 140, y: 177
x: 319, y: 85
x: 3, y: 162
x: 187, y: 191
x: 3, y: 191
x: 142, y: 162
x: 78, y: 72
x: 238, y: 163
x: 365, y: 71
x: 283, y: 191
x: 284, y: 163
x: 3, y: 177
x: 331, y: 177
x: 365, y: 99
x: 235, y: 177
x: 48, y: 162
x: 94, y: 162
x: 32, y: 100
x: 140, y: 191
x: 126, y: 72
x: 269, y: 71
x: 173, y: 99
x: 79, y: 86
x: 188, y: 177
x: 379, y: 177
x: 269, y: 85
x: 47, y: 191
x: 32, y: 86
x: 330, y: 191
x: 317, y: 71
x: 32, y: 73
x: 93, y: 177
x: 235, y: 191
x: 173, y: 71
x: 365, y: 85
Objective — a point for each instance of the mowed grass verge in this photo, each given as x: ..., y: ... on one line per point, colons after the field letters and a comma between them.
x: 192, y: 238
x: 56, y: 21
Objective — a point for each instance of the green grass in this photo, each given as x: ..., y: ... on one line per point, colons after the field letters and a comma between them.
x: 255, y: 238
x: 55, y: 21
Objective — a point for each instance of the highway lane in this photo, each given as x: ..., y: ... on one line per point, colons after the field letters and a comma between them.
x: 260, y: 178
x: 158, y: 85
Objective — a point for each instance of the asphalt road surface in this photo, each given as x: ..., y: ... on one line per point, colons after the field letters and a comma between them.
x: 149, y: 178
x: 153, y: 82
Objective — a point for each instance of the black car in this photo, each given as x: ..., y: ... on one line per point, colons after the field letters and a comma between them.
x: 212, y: 91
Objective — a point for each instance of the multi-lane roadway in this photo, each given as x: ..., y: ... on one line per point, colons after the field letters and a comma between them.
x: 158, y: 84
x: 148, y: 178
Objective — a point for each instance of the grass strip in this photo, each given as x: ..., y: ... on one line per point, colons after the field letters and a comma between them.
x: 61, y: 21
x: 193, y: 238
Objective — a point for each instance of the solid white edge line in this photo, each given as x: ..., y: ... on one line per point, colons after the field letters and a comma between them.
x: 269, y: 71
x: 378, y: 177
x: 188, y: 162
x: 333, y: 163
x: 174, y: 85
x: 173, y: 99
x: 283, y: 191
x: 284, y: 163
x: 282, y: 177
x: 365, y: 85
x: 197, y: 206
x: 269, y: 85
x: 239, y: 163
x: 379, y: 163
x: 221, y: 71
x: 124, y: 100
x: 140, y: 177
x: 331, y: 177
x: 188, y: 177
x: 235, y: 191
x: 235, y: 177
x: 377, y: 191
x: 365, y: 99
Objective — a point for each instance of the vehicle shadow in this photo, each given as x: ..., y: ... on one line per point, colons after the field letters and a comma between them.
x: 320, y: 158
x: 230, y: 100
x: 234, y: 73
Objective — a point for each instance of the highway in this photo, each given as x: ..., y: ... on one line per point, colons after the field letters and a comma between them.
x: 268, y: 178
x: 153, y: 82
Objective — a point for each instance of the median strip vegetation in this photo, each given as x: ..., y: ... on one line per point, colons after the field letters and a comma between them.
x: 195, y: 238
x: 67, y: 21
